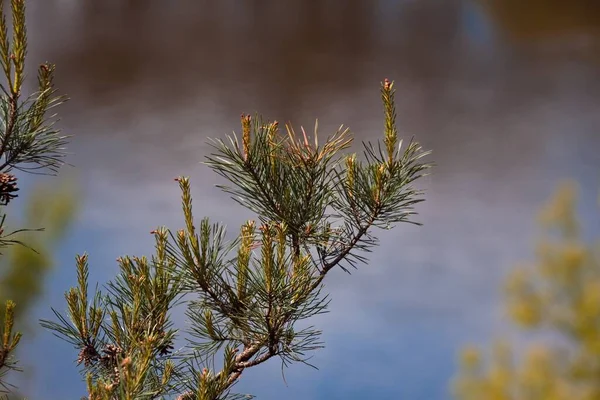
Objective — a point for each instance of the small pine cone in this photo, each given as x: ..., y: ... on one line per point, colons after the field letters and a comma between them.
x: 109, y: 360
x: 8, y: 187
x: 87, y: 354
x: 111, y: 355
x: 116, y: 377
x: 112, y: 351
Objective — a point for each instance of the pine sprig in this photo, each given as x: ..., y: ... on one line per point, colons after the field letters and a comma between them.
x: 245, y: 299
x: 10, y: 340
x: 28, y: 139
x: 125, y: 338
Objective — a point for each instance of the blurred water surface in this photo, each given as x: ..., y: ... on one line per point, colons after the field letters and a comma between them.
x: 505, y: 92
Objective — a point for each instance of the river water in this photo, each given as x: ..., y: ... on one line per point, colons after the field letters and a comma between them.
x: 506, y: 95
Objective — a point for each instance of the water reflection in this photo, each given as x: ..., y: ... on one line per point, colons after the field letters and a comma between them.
x: 276, y: 52
x: 544, y: 19
x: 505, y: 115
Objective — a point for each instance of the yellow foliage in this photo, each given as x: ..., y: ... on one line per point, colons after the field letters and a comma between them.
x: 560, y: 293
x: 23, y: 268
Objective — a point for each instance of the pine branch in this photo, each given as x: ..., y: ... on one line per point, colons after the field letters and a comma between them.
x: 244, y: 298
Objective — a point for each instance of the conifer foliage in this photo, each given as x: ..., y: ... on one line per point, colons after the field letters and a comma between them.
x: 29, y: 142
x: 316, y: 209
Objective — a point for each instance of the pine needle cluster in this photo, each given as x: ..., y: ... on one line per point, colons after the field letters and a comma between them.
x: 29, y: 141
x: 316, y: 209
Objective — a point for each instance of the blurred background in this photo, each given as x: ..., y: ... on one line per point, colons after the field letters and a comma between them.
x: 506, y: 93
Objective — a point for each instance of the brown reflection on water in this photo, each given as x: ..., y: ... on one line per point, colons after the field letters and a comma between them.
x: 155, y: 57
x: 165, y: 55
x: 150, y: 80
x: 266, y: 56
x: 535, y: 19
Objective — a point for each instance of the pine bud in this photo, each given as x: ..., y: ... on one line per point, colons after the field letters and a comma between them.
x: 350, y: 166
x: 378, y: 183
x: 387, y: 85
x: 247, y: 239
x: 210, y: 328
x: 246, y: 129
